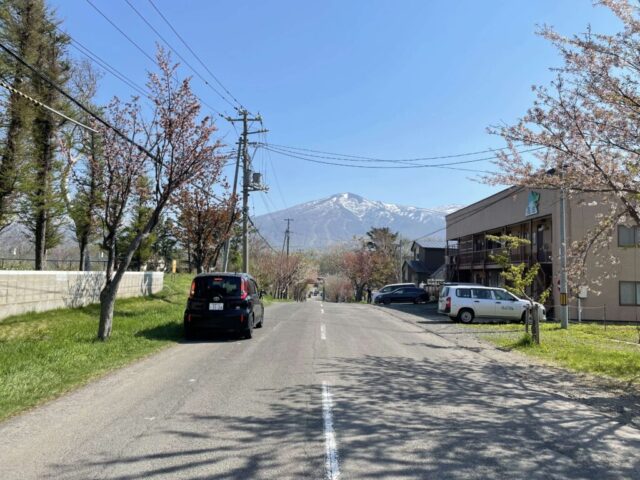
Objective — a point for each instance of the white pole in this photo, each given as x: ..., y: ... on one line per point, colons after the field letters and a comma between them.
x: 564, y: 308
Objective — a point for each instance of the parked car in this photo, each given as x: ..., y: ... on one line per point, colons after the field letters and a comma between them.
x: 224, y: 302
x: 464, y: 302
x: 403, y: 295
x: 389, y: 288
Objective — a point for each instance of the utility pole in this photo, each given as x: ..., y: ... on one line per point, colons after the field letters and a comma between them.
x: 400, y: 259
x: 564, y: 307
x: 287, y: 236
x: 248, y: 183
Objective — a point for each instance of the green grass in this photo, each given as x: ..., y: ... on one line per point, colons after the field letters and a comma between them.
x: 269, y: 300
x: 43, y: 355
x: 586, y: 348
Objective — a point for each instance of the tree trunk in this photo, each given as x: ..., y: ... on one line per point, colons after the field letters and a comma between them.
x: 110, y: 290
x: 83, y: 252
x: 44, y: 129
x: 40, y: 233
x: 107, y: 305
x: 535, y: 326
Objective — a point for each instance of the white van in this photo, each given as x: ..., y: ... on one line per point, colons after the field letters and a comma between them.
x: 465, y: 302
x: 389, y: 288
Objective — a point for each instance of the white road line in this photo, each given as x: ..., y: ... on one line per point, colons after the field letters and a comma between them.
x: 331, y: 447
x: 322, y: 310
x: 323, y: 332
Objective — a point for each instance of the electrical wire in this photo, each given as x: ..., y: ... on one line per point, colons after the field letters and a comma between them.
x: 134, y: 43
x: 468, y: 214
x: 260, y: 234
x: 447, y: 166
x: 45, y: 106
x: 343, y: 157
x: 194, y: 54
x: 186, y: 62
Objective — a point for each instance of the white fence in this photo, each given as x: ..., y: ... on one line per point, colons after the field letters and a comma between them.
x: 30, y: 291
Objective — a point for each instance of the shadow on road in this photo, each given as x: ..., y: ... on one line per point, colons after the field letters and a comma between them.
x: 175, y: 331
x: 402, y: 417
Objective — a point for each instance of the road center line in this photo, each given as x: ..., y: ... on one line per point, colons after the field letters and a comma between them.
x: 322, y: 310
x: 323, y: 332
x: 331, y: 447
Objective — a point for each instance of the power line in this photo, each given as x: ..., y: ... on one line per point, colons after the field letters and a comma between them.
x: 194, y: 53
x: 447, y: 166
x: 468, y: 214
x: 84, y: 50
x: 134, y: 43
x: 45, y: 106
x: 78, y: 103
x: 178, y: 54
x: 343, y: 157
x: 260, y: 234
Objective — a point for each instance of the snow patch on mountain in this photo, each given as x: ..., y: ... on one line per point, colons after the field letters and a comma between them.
x: 341, y: 217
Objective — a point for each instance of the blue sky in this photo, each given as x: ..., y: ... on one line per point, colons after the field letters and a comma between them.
x: 379, y: 78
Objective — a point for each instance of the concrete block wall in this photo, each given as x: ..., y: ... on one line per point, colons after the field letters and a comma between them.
x: 30, y: 291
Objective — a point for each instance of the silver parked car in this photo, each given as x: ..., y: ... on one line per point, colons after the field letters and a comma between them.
x: 465, y: 302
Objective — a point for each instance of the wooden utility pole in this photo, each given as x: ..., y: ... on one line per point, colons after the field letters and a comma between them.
x: 287, y: 235
x: 247, y: 183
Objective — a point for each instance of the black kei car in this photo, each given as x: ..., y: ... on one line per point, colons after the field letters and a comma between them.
x: 224, y: 302
x: 403, y: 295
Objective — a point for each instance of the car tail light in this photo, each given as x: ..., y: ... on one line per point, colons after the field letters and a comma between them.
x: 241, y: 318
x: 243, y: 290
x: 188, y: 317
x: 448, y: 304
x: 192, y: 292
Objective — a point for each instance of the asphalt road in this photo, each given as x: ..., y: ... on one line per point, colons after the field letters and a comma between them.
x: 327, y: 391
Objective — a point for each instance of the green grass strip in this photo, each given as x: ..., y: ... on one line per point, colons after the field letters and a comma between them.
x: 43, y: 355
x: 612, y: 352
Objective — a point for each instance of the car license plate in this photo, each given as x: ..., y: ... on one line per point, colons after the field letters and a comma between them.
x: 216, y: 306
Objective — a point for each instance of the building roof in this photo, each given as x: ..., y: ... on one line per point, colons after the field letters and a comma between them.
x: 416, y: 266
x: 431, y: 243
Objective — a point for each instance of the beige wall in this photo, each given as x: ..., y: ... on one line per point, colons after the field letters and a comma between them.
x: 31, y: 291
x: 602, y: 300
x: 508, y: 207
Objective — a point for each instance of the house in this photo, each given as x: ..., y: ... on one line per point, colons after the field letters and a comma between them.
x: 534, y: 214
x: 428, y: 257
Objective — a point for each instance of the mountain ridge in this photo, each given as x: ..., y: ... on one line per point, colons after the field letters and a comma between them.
x: 339, y: 218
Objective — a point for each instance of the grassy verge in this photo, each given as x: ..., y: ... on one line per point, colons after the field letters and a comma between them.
x: 612, y: 352
x: 269, y: 300
x: 43, y: 355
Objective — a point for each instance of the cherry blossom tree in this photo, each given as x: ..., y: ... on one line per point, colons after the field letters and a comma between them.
x: 204, y: 220
x: 180, y: 142
x: 587, y: 123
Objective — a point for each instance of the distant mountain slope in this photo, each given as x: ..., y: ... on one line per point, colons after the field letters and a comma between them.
x: 340, y: 217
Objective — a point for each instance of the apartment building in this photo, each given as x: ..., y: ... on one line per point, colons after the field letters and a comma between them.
x: 534, y: 214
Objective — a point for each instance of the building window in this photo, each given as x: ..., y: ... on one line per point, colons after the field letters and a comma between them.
x: 628, y: 236
x: 629, y: 293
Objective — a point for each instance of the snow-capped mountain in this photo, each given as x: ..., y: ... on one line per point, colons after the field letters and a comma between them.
x: 340, y: 217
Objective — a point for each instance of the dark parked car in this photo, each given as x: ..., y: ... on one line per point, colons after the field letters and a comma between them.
x: 403, y: 295
x: 224, y: 302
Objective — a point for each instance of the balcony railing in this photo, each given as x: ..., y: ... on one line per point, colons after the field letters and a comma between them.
x: 483, y: 257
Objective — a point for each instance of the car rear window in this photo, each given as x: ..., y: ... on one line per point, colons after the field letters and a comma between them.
x: 223, y: 286
x: 444, y: 292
